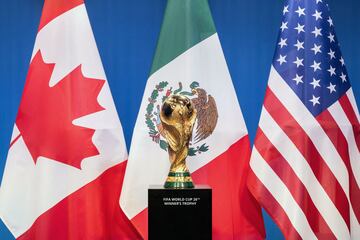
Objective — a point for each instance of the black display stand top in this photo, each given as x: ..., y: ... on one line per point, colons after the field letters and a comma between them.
x: 179, y: 213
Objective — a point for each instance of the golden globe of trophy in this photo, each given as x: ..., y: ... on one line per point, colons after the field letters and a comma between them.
x: 178, y: 116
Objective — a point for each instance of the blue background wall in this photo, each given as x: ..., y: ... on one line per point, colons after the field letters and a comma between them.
x: 126, y: 34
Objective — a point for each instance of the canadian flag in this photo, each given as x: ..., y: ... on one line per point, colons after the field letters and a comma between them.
x: 66, y: 160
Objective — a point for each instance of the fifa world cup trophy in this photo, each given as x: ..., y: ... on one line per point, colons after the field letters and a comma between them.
x: 178, y: 116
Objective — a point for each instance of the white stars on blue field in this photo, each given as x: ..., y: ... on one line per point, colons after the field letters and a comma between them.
x: 308, y: 56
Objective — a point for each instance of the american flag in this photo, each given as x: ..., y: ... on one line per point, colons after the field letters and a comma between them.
x: 305, y: 161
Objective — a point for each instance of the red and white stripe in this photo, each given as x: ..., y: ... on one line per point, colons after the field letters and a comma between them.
x: 305, y: 170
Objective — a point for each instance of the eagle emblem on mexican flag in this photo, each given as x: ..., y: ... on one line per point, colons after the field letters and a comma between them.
x: 207, y: 114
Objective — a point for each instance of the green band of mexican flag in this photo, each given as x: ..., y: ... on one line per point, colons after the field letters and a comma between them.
x: 186, y: 23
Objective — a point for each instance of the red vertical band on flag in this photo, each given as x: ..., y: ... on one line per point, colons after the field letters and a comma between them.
x: 92, y: 212
x: 235, y: 211
x: 54, y: 8
x: 307, y: 148
x: 297, y: 189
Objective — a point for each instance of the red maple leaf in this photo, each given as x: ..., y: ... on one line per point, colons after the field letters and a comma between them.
x: 46, y: 114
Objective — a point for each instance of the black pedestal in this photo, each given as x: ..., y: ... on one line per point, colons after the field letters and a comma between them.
x: 179, y: 213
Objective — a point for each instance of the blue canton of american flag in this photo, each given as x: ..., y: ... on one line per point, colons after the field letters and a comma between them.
x: 308, y: 56
x: 305, y: 163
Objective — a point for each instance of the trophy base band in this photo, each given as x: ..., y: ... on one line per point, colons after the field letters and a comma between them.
x: 179, y: 180
x: 179, y: 213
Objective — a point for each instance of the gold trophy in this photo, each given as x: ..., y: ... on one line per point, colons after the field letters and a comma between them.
x: 178, y: 116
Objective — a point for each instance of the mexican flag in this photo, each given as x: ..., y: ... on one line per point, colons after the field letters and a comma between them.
x: 189, y: 61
